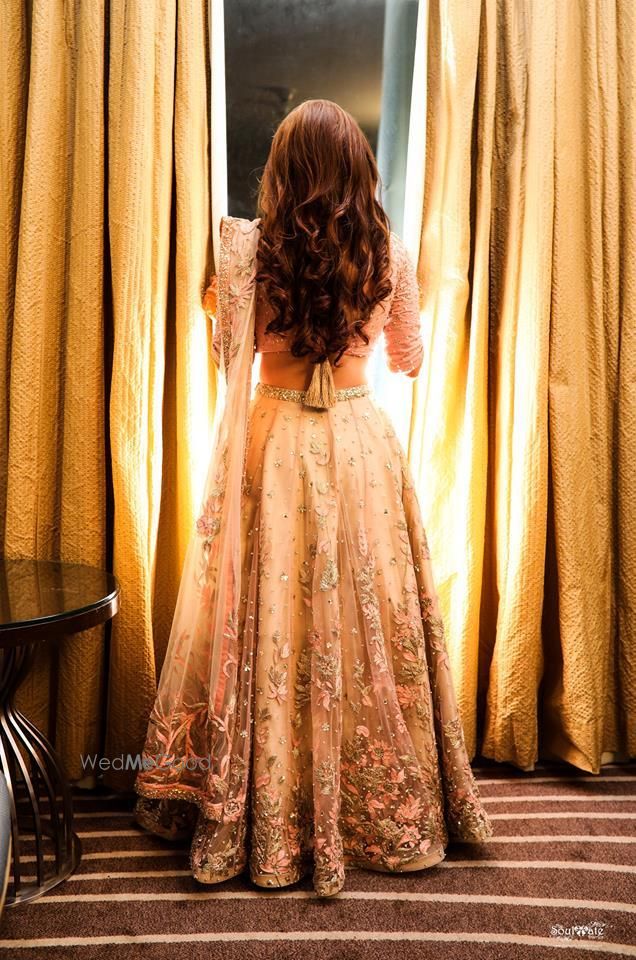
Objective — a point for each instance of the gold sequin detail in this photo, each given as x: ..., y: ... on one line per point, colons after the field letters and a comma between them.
x: 298, y: 396
x: 329, y: 576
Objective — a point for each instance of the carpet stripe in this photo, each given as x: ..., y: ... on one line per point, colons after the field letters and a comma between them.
x: 540, y: 865
x: 551, y: 838
x: 390, y: 896
x: 490, y: 768
x: 564, y: 815
x: 138, y: 834
x: 309, y: 936
x: 515, y: 798
x: 444, y: 865
x: 115, y: 855
x: 624, y: 815
x: 556, y: 798
x: 629, y: 778
x: 548, y: 815
x: 184, y: 851
x: 100, y: 833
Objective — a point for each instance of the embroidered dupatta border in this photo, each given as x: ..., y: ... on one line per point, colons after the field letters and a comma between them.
x: 224, y: 318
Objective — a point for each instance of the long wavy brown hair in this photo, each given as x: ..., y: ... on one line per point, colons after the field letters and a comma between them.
x: 323, y: 253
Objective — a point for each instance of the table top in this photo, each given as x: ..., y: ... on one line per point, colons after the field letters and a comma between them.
x: 48, y: 598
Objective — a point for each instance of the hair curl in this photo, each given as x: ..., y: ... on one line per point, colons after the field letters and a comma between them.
x: 323, y: 253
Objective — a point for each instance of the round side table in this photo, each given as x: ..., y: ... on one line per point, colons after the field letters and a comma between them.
x: 40, y: 602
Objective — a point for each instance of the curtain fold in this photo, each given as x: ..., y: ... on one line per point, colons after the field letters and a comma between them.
x: 53, y: 457
x: 625, y: 410
x: 108, y: 247
x: 140, y: 117
x: 591, y: 707
x: 521, y: 224
x: 448, y: 425
x: 164, y: 379
x: 190, y: 372
x: 520, y: 433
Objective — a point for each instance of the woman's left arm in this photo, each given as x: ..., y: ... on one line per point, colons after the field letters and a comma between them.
x: 402, y: 330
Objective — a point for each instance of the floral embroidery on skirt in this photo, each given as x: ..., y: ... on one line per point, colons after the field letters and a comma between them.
x: 342, y: 739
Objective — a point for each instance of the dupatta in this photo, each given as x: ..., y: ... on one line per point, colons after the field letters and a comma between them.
x: 195, y: 748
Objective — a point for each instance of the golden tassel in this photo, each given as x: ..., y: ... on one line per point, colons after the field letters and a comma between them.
x: 321, y: 391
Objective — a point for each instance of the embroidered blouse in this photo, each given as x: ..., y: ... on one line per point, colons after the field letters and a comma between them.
x: 397, y: 316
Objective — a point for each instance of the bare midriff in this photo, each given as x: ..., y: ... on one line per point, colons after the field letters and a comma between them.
x: 283, y: 369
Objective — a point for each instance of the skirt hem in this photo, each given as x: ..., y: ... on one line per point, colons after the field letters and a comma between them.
x: 266, y: 881
x: 281, y: 881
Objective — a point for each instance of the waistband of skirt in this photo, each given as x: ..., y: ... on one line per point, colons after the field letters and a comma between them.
x: 287, y: 393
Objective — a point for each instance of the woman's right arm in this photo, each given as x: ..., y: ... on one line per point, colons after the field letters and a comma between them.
x: 210, y: 303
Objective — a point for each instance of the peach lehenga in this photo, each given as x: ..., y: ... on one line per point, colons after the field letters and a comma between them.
x: 305, y: 718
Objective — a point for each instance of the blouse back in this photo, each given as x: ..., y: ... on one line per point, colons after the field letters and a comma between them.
x: 397, y: 316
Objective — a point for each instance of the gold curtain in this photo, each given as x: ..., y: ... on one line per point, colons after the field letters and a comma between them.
x: 522, y: 432
x: 52, y: 457
x: 106, y: 365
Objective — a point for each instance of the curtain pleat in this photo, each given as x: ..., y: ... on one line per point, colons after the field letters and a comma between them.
x: 53, y: 388
x: 447, y: 445
x: 190, y: 376
x: 140, y: 120
x: 522, y: 431
x: 520, y: 276
x: 164, y: 382
x: 14, y: 71
x: 589, y: 705
x: 624, y: 654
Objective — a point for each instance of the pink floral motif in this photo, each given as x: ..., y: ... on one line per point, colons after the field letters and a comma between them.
x: 207, y: 526
x: 411, y: 809
x: 408, y: 696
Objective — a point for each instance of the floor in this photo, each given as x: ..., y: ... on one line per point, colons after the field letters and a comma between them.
x: 558, y: 879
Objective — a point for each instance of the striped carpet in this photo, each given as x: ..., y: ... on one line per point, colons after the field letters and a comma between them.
x: 558, y: 879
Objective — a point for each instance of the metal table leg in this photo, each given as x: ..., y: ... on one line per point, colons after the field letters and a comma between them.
x: 34, y: 774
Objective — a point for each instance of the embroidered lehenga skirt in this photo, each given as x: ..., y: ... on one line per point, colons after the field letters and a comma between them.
x: 348, y: 745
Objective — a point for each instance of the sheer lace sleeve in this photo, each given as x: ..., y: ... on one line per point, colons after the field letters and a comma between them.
x: 402, y: 330
x: 210, y: 305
